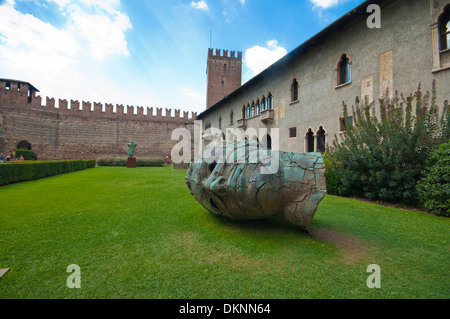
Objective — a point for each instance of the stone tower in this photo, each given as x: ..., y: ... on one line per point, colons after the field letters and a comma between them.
x: 224, y: 75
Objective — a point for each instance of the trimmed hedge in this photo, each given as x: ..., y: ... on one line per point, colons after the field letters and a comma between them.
x: 13, y: 172
x: 27, y: 154
x: 122, y: 161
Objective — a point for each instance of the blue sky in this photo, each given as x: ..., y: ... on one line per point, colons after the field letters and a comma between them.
x: 148, y: 53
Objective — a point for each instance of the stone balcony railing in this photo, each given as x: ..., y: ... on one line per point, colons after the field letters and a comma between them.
x: 242, y: 123
x: 267, y: 115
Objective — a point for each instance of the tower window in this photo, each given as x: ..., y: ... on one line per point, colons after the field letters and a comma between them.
x: 444, y: 29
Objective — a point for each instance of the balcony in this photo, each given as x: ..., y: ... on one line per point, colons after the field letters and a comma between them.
x: 242, y: 123
x: 266, y: 115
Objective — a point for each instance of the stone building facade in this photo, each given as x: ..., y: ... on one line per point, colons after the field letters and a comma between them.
x: 302, y: 94
x: 82, y: 130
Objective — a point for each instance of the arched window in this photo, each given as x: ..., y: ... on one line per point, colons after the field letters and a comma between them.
x: 294, y: 91
x: 343, y: 70
x: 258, y: 108
x: 231, y: 118
x: 263, y: 103
x: 269, y: 101
x: 248, y: 110
x: 253, y: 109
x: 444, y: 29
x: 207, y: 125
x: 243, y: 112
x: 309, y: 141
x: 220, y: 122
x: 321, y: 140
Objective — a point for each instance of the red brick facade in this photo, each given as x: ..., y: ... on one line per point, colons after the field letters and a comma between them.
x: 224, y: 73
x: 74, y: 133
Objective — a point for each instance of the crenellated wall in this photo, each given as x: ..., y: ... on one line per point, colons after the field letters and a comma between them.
x: 81, y: 130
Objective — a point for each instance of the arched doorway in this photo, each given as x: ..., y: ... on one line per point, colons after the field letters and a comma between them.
x: 321, y: 140
x: 24, y: 145
x: 309, y: 141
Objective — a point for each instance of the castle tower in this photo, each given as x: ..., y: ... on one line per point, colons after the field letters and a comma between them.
x: 224, y: 75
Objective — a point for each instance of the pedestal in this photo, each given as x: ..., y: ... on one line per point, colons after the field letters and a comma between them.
x: 131, y: 162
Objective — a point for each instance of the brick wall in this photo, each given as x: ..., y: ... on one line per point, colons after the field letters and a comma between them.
x: 83, y: 130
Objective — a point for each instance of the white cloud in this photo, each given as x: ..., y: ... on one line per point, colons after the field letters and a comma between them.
x: 324, y: 4
x: 63, y: 61
x: 201, y: 5
x: 258, y: 58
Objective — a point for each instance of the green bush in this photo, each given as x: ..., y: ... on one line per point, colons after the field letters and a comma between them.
x: 18, y: 171
x: 122, y: 161
x: 334, y: 182
x: 383, y: 158
x: 434, y: 187
x: 27, y: 154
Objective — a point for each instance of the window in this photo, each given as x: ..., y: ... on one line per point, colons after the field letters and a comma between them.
x: 223, y: 83
x: 263, y: 103
x: 292, y: 132
x: 231, y: 118
x: 345, y: 122
x: 224, y: 66
x: 309, y: 141
x: 243, y: 112
x: 258, y: 108
x: 444, y: 29
x: 248, y: 110
x: 207, y: 125
x: 294, y: 91
x: 269, y: 101
x: 220, y: 122
x: 321, y: 140
x: 343, y: 70
x: 253, y: 109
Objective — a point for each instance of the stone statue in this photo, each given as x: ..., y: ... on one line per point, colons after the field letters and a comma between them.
x: 131, y: 149
x: 238, y: 190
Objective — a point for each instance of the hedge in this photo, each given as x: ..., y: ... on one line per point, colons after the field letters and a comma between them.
x: 17, y: 171
x: 27, y: 154
x: 122, y: 161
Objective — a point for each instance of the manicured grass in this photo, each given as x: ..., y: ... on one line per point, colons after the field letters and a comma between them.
x: 138, y: 233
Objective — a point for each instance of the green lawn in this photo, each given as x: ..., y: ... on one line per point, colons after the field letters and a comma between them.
x: 138, y: 233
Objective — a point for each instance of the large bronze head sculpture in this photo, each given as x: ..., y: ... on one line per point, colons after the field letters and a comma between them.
x: 238, y: 187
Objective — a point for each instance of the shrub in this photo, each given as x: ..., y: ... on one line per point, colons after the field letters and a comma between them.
x: 384, y: 158
x: 122, y: 161
x: 27, y: 154
x: 334, y: 182
x: 18, y: 171
x: 434, y: 187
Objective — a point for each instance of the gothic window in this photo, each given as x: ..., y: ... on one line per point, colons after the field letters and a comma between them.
x: 309, y: 141
x: 343, y: 70
x: 321, y: 140
x: 263, y: 103
x: 269, y: 101
x: 258, y: 108
x: 253, y: 109
x: 243, y: 112
x: 444, y: 29
x: 220, y: 122
x: 231, y: 118
x: 294, y: 91
x: 248, y: 110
